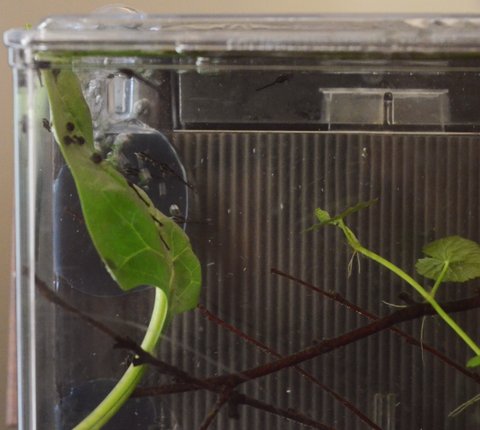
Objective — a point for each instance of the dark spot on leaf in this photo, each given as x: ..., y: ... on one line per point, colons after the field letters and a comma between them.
x: 55, y: 73
x: 79, y: 139
x: 164, y: 242
x: 157, y: 221
x: 67, y: 140
x: 96, y: 158
x: 132, y: 186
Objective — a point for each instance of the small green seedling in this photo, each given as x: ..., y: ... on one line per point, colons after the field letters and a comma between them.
x: 137, y: 243
x: 451, y: 259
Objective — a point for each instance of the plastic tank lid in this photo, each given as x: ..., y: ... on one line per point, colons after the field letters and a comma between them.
x: 120, y: 29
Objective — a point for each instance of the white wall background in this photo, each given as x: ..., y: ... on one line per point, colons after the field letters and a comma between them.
x: 17, y: 13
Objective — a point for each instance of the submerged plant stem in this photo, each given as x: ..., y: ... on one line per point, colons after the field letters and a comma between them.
x: 326, y: 346
x: 130, y: 379
x: 459, y: 409
x: 338, y: 298
x: 439, y: 280
x: 355, y: 244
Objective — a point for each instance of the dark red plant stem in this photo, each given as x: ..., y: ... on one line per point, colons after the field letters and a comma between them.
x: 290, y: 414
x: 352, y: 306
x: 222, y: 399
x: 217, y: 320
x: 143, y: 357
x: 403, y: 315
x: 337, y: 297
x: 406, y: 314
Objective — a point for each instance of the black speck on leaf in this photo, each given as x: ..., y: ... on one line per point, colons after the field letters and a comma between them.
x: 67, y: 140
x: 55, y: 73
x: 96, y: 158
x: 79, y: 139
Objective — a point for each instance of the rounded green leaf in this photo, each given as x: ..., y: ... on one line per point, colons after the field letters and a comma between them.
x: 462, y: 256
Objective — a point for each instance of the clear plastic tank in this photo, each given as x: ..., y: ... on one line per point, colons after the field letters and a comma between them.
x: 237, y: 129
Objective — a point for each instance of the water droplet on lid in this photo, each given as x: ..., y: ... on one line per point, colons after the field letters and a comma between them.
x: 116, y: 9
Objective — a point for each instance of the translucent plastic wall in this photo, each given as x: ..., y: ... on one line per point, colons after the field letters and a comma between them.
x: 238, y: 130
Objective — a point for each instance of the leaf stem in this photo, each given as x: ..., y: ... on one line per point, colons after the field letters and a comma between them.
x: 439, y: 280
x: 355, y: 244
x: 130, y: 379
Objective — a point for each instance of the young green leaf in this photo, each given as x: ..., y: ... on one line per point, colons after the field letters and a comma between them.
x: 356, y: 208
x: 326, y: 219
x: 138, y: 245
x: 461, y: 255
x: 474, y: 362
x: 323, y: 216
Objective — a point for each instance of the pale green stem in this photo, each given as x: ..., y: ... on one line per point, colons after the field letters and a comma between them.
x: 355, y: 244
x: 463, y: 406
x: 439, y: 280
x: 124, y: 388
